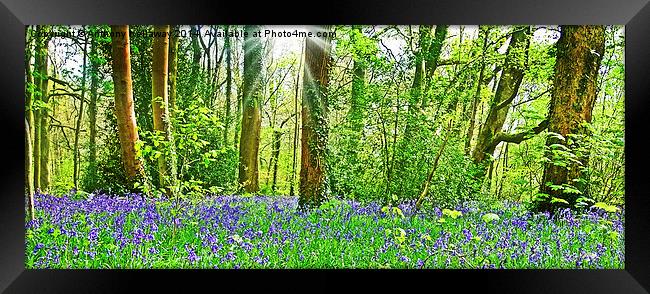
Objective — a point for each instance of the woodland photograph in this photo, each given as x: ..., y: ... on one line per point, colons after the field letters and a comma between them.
x: 324, y: 147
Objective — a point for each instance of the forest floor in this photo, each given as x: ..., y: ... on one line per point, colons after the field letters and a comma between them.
x: 105, y: 231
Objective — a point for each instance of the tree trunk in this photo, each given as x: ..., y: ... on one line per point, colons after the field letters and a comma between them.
x: 160, y: 106
x: 92, y: 110
x: 173, y: 67
x: 418, y: 88
x: 275, y: 156
x: 124, y: 110
x: 226, y: 47
x: 579, y: 54
x: 434, y: 49
x: 29, y: 121
x: 357, y: 103
x: 44, y: 165
x: 251, y: 115
x: 239, y: 100
x: 477, y: 94
x: 313, y: 177
x: 40, y: 67
x: 292, y: 184
x: 511, y: 78
x: 77, y: 131
x: 29, y: 174
x: 196, y: 58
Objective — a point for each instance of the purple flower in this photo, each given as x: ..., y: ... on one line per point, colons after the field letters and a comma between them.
x: 468, y: 234
x: 419, y: 263
x: 93, y: 234
x: 38, y: 247
x: 191, y: 255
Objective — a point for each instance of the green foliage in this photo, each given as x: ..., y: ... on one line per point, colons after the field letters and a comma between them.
x: 490, y: 217
x: 452, y: 213
x: 606, y: 207
x: 204, y: 165
x: 383, y: 131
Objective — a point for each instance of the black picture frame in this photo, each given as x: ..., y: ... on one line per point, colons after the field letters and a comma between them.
x: 634, y: 14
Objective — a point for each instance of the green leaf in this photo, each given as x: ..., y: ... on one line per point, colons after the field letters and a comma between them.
x: 490, y: 217
x: 452, y: 213
x: 559, y: 200
x: 606, y: 207
x: 398, y: 211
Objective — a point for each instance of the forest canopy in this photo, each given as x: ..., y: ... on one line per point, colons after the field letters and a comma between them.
x: 392, y: 97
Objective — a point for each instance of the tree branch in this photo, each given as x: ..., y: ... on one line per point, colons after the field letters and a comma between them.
x: 532, y: 99
x: 521, y: 136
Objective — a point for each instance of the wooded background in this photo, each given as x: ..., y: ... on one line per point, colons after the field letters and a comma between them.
x: 435, y: 114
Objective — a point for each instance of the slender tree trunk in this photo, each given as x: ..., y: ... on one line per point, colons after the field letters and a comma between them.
x: 239, y: 100
x: 227, y: 120
x: 173, y: 67
x: 160, y: 107
x: 196, y: 58
x: 275, y: 156
x: 272, y: 126
x: 418, y: 81
x: 77, y: 131
x: 44, y: 127
x: 580, y: 51
x: 425, y: 186
x: 251, y: 115
x: 29, y: 121
x: 477, y: 94
x: 292, y: 191
x: 357, y: 103
x: 124, y: 110
x: 313, y: 173
x: 29, y: 173
x: 40, y: 68
x: 92, y: 110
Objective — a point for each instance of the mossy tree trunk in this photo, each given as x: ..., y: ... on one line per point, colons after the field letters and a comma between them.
x: 431, y: 58
x: 196, y: 58
x: 160, y: 107
x: 44, y: 126
x: 40, y: 87
x: 514, y: 68
x: 477, y: 95
x: 357, y: 110
x: 173, y: 67
x: 251, y: 115
x: 29, y: 173
x: 313, y: 176
x: 580, y: 50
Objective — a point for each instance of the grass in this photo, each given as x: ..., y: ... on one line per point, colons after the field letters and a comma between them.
x: 269, y: 232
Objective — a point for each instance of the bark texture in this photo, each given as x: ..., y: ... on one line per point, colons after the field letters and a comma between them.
x: 124, y: 109
x: 160, y: 105
x: 249, y: 142
x: 313, y: 177
x: 513, y: 73
x: 580, y: 50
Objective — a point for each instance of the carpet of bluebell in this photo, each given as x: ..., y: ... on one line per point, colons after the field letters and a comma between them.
x: 225, y: 232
